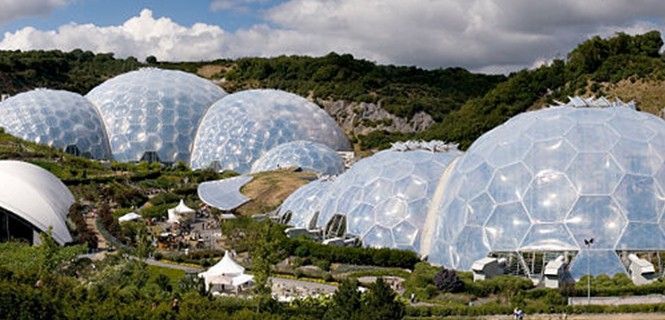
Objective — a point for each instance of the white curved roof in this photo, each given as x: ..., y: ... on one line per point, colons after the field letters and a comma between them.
x: 37, y: 196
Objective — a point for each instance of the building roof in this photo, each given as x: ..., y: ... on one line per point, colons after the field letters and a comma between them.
x: 224, y: 194
x: 183, y: 208
x: 37, y: 196
x: 129, y: 217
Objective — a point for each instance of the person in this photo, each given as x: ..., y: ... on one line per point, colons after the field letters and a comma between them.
x: 518, y: 314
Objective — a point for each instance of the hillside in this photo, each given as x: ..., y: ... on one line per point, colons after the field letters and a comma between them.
x: 377, y: 104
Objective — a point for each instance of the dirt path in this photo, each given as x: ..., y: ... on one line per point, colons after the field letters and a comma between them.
x: 101, y: 242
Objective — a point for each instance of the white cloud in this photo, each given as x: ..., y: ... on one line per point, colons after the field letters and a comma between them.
x: 483, y: 35
x: 235, y: 5
x: 16, y: 9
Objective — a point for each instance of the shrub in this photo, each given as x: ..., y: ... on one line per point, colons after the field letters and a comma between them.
x: 447, y: 280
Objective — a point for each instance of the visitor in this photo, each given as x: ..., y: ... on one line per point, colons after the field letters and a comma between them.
x: 518, y: 314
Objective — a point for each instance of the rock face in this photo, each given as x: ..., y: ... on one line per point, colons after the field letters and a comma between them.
x: 359, y: 118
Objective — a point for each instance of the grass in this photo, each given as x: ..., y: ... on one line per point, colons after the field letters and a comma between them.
x: 174, y: 275
x: 269, y: 189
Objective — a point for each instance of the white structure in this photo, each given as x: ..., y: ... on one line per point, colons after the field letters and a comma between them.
x: 555, y: 272
x: 641, y: 271
x: 180, y: 213
x: 129, y: 217
x: 224, y: 194
x: 153, y: 112
x: 487, y: 268
x: 32, y: 200
x: 56, y: 118
x: 226, y: 275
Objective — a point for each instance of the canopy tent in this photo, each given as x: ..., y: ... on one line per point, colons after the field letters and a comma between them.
x: 226, y: 274
x: 129, y: 217
x: 180, y: 213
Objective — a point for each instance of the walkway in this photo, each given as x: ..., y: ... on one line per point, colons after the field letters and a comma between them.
x: 616, y: 301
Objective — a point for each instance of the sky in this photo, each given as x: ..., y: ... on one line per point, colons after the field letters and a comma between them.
x: 490, y: 36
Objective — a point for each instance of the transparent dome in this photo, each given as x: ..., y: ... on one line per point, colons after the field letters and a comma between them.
x: 240, y: 128
x: 153, y: 110
x: 546, y: 180
x: 307, y: 155
x: 56, y: 118
x: 303, y: 205
x: 384, y: 199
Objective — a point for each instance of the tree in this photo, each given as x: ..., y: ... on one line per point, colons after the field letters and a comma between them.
x: 265, y: 250
x: 380, y: 303
x: 447, y: 280
x: 346, y: 303
x: 151, y: 60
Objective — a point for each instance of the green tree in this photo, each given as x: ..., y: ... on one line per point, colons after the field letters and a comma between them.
x: 346, y: 303
x: 381, y: 304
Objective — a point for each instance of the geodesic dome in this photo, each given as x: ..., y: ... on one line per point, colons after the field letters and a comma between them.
x: 58, y: 119
x: 546, y: 180
x: 241, y: 127
x: 153, y: 110
x: 307, y: 155
x: 384, y: 199
x: 301, y: 207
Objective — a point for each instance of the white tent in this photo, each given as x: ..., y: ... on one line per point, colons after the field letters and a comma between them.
x: 180, y: 213
x: 129, y: 217
x: 182, y: 208
x: 225, y: 273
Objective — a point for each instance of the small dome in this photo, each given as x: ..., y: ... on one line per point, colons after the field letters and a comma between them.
x: 310, y: 156
x: 56, y: 118
x: 301, y: 208
x: 241, y: 127
x: 385, y: 198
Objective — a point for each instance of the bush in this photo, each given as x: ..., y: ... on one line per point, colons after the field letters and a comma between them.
x: 447, y: 280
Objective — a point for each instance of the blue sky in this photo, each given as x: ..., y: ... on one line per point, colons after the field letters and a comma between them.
x: 113, y: 12
x: 493, y: 36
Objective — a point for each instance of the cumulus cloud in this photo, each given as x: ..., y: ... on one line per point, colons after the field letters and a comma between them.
x: 483, y: 35
x: 16, y: 9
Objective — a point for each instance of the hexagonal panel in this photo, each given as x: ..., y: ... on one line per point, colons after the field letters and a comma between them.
x: 592, y: 138
x: 597, y: 217
x: 377, y: 190
x: 637, y: 195
x: 509, y: 183
x: 506, y: 227
x: 548, y: 237
x: 390, y: 212
x: 596, y: 262
x: 636, y: 157
x: 594, y: 173
x: 476, y: 181
x: 549, y: 155
x: 469, y: 247
x: 549, y: 197
x: 378, y: 237
x: 551, y: 127
x: 406, y: 235
x: 509, y: 152
x: 454, y: 220
x: 411, y: 188
x: 642, y: 236
x: 631, y: 129
x: 479, y: 209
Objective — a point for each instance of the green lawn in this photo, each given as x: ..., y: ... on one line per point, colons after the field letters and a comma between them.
x: 173, y: 274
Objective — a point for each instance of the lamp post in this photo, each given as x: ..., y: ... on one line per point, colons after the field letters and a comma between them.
x: 588, y: 243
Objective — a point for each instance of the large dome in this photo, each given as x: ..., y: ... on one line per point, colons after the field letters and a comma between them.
x: 56, y: 118
x: 241, y: 127
x: 153, y: 110
x: 34, y: 195
x: 546, y: 180
x: 384, y: 199
x: 307, y: 155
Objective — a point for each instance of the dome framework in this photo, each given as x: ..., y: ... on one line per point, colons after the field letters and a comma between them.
x: 549, y: 179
